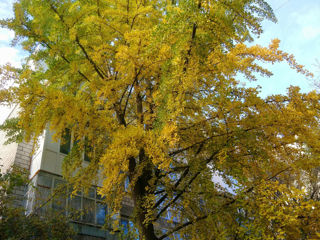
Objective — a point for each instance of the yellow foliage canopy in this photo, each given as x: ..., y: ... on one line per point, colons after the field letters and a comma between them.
x: 151, y: 87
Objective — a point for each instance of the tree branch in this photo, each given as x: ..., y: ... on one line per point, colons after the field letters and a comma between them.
x: 60, y: 54
x: 185, y: 187
x: 179, y: 227
x: 96, y: 68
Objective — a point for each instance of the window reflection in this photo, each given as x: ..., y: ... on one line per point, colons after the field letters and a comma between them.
x: 85, y: 206
x: 101, y: 212
x: 88, y: 210
x: 75, y: 207
x: 59, y: 204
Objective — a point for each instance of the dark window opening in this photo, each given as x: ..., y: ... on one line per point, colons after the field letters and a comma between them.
x: 65, y: 142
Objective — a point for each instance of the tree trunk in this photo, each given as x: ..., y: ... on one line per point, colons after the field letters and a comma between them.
x: 146, y: 229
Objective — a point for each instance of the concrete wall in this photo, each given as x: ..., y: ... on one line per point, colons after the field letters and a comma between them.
x: 52, y: 158
x: 37, y: 156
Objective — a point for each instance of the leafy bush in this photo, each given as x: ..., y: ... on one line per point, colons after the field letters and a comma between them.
x: 15, y: 224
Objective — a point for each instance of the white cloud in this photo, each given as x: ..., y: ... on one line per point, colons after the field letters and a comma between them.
x: 6, y: 8
x: 6, y: 35
x: 10, y: 55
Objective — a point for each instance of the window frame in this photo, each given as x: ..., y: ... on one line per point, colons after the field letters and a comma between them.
x: 71, y: 142
x: 67, y: 198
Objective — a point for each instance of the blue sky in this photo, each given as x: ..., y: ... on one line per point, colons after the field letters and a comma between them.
x: 298, y: 28
x: 8, y: 53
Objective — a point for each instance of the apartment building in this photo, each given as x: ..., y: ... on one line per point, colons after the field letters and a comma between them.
x: 44, y: 166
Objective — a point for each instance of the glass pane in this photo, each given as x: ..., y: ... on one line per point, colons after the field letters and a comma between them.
x: 74, y: 207
x: 65, y: 142
x: 42, y: 204
x: 101, y: 213
x: 59, y: 204
x: 125, y: 225
x: 58, y: 182
x: 88, y: 210
x: 91, y: 193
x: 126, y: 184
x: 45, y: 180
x: 43, y: 194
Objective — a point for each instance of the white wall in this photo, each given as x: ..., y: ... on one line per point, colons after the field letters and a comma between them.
x: 7, y: 152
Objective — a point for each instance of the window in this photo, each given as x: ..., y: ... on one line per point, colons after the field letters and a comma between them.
x: 86, y: 207
x: 88, y: 210
x: 89, y: 206
x: 59, y: 204
x: 126, y: 184
x: 45, y: 181
x: 43, y: 194
x: 65, y: 144
x: 101, y: 213
x: 129, y: 231
x: 125, y: 224
x: 91, y: 193
x: 74, y: 207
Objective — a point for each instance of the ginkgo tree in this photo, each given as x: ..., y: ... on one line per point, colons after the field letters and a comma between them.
x: 149, y: 90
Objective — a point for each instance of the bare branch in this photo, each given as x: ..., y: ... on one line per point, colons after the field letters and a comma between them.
x: 179, y: 227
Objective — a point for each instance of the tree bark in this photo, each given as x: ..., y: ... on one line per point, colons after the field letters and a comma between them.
x: 139, y: 193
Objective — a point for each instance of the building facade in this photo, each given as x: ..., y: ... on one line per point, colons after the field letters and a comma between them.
x: 47, y: 191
